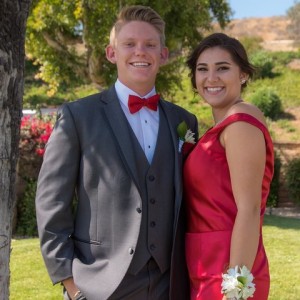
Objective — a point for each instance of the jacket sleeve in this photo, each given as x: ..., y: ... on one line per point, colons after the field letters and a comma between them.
x: 55, y: 193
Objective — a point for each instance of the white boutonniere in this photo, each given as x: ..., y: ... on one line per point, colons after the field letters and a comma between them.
x: 237, y: 283
x: 185, y: 135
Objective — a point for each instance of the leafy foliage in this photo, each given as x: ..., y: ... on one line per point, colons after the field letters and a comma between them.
x: 26, y: 223
x: 264, y: 63
x: 283, y: 57
x: 251, y: 43
x: 35, y: 133
x: 268, y: 102
x: 67, y: 39
x: 293, y: 178
x: 275, y: 184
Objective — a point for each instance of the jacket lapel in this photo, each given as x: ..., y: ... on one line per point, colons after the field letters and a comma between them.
x: 121, y: 130
x: 173, y: 121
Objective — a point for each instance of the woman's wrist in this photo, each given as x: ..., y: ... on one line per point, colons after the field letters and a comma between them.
x: 238, y: 283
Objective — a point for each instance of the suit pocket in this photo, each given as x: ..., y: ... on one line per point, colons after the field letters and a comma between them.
x: 90, y: 251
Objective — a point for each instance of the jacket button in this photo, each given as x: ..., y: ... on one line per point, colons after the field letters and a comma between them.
x: 131, y: 251
x: 152, y: 247
x: 151, y: 178
x: 152, y: 224
x: 139, y: 210
x: 152, y: 200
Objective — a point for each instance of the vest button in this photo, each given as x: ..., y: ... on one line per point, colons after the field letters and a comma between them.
x: 152, y: 247
x: 139, y: 210
x: 131, y: 251
x: 152, y: 200
x: 151, y: 178
x: 152, y: 224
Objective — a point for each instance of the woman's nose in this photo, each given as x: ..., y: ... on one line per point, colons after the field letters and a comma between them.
x: 212, y: 77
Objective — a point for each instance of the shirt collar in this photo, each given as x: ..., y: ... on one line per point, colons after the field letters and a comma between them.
x: 123, y: 92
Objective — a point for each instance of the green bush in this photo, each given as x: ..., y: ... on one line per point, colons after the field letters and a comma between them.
x: 268, y: 102
x: 274, y: 188
x: 264, y: 63
x: 293, y: 178
x: 284, y: 57
x: 251, y: 43
x: 26, y: 223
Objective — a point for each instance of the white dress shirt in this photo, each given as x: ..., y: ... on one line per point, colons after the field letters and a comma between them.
x: 144, y: 123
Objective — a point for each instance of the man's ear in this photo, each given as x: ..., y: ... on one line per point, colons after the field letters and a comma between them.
x: 110, y: 54
x: 164, y: 55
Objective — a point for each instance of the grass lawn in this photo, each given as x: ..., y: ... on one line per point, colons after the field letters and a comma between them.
x: 282, y: 242
x: 29, y: 279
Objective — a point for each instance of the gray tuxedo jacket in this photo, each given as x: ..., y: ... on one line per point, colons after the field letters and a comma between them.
x: 89, y: 156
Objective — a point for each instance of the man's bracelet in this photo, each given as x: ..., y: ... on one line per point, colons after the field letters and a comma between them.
x: 79, y: 296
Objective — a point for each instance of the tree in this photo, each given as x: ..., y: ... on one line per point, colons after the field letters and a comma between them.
x: 67, y: 39
x: 13, y: 15
x: 293, y: 28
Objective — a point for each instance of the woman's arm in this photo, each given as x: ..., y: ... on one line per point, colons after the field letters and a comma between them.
x: 246, y: 155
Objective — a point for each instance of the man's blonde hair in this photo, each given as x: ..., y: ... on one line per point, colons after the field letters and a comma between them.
x: 138, y: 13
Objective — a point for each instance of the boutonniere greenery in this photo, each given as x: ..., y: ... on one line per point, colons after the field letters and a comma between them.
x: 185, y: 135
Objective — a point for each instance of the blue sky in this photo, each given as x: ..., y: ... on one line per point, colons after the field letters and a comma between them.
x: 259, y: 8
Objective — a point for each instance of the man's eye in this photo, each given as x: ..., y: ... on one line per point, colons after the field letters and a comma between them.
x: 128, y: 44
x: 151, y: 45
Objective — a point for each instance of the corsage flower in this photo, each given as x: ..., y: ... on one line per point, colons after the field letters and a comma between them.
x: 186, y: 136
x: 237, y: 283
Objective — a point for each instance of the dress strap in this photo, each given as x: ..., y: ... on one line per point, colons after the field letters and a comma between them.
x: 244, y: 117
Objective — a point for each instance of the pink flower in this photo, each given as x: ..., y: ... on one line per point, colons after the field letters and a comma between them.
x: 35, y: 133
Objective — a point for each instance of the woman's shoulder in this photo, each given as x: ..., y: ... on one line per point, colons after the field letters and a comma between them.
x: 249, y: 109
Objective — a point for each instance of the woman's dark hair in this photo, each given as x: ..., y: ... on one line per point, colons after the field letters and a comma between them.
x: 232, y: 45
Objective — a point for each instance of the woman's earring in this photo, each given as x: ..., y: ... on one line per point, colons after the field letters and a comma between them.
x: 243, y: 81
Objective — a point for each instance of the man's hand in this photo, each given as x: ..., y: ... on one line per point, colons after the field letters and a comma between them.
x: 72, y: 290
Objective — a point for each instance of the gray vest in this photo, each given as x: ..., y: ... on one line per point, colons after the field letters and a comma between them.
x: 156, y: 185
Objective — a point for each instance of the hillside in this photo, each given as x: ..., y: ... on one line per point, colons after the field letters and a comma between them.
x: 272, y: 30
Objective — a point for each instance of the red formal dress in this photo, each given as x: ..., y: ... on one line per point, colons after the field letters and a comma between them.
x: 211, y: 211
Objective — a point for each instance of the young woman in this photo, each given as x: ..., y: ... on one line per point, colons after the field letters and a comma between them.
x: 227, y: 179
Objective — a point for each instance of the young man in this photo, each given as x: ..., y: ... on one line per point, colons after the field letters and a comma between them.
x: 126, y: 239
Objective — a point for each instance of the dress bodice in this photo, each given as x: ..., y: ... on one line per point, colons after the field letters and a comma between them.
x: 208, y: 191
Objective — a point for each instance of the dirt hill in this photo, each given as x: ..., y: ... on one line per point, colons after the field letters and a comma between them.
x: 272, y: 30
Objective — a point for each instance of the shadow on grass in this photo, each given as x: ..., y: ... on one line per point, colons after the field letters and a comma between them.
x: 287, y: 116
x: 282, y: 222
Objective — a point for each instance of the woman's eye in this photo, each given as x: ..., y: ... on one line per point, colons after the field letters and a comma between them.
x: 223, y: 68
x: 201, y: 69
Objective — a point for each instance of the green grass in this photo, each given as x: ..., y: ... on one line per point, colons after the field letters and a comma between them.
x: 29, y: 279
x: 282, y: 242
x: 285, y: 85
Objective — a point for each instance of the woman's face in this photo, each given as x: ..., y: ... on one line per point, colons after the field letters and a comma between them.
x: 218, y: 78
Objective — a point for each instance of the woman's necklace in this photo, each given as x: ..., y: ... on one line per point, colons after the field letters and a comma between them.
x: 220, y: 121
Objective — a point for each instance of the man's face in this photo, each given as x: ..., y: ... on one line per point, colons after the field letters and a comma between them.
x: 138, y: 54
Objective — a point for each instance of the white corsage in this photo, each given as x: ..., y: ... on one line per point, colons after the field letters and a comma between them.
x: 185, y: 135
x: 237, y: 283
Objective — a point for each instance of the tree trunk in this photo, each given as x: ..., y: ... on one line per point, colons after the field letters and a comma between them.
x: 13, y: 16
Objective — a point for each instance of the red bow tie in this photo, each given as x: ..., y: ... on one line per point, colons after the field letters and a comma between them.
x: 135, y: 103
